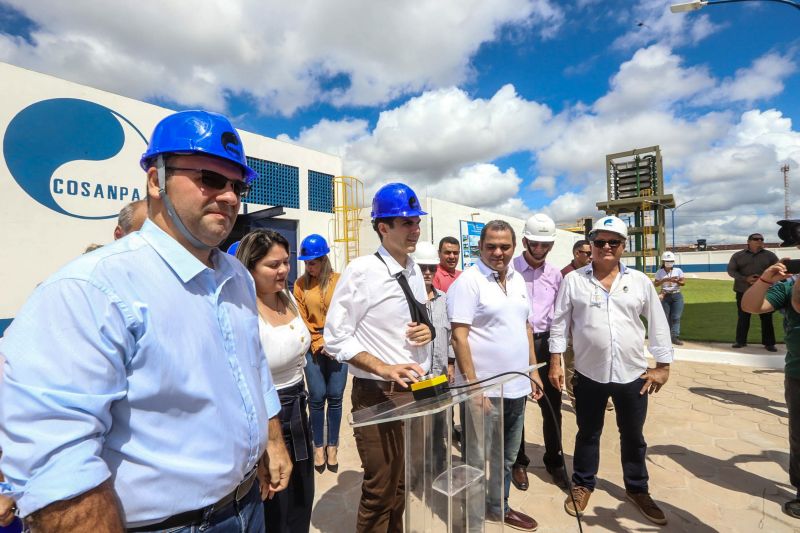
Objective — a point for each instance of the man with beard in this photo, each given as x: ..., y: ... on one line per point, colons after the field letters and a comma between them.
x: 542, y: 280
x: 136, y: 394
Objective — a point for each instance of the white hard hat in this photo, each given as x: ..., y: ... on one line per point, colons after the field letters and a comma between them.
x: 668, y: 256
x: 612, y: 224
x: 541, y: 228
x: 425, y: 254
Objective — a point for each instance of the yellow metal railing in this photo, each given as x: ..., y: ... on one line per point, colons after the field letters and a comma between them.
x: 348, y: 201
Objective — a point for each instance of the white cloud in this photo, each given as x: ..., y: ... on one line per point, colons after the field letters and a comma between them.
x: 547, y: 184
x: 333, y: 137
x: 285, y: 55
x: 652, y: 22
x: 761, y: 80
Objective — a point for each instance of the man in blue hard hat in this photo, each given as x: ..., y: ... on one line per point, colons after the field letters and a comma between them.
x: 377, y: 323
x: 146, y: 405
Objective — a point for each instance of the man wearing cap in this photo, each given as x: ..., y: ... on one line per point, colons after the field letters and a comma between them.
x: 147, y: 407
x: 745, y: 267
x: 447, y: 273
x: 377, y: 323
x: 601, y: 305
x: 542, y: 280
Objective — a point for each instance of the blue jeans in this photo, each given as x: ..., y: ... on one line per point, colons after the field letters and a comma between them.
x: 513, y: 421
x: 325, y: 378
x: 245, y: 516
x: 673, y: 308
x: 630, y: 408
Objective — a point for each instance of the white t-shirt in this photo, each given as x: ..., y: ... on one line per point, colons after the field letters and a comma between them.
x: 498, y: 336
x: 670, y: 286
x: 285, y: 348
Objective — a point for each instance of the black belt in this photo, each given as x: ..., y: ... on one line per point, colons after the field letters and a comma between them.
x: 195, y: 517
x: 385, y: 386
x: 537, y: 336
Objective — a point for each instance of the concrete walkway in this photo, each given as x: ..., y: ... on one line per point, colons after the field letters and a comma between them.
x: 717, y: 456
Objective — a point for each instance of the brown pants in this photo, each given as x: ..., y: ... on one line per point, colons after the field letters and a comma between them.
x: 569, y: 370
x: 381, y: 448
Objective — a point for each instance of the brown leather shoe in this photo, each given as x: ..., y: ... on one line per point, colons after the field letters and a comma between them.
x: 520, y: 521
x: 648, y: 507
x: 581, y: 496
x: 519, y: 477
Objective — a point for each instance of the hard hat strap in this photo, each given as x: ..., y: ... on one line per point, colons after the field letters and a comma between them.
x: 162, y: 191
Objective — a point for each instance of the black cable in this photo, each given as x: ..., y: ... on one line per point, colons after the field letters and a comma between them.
x: 555, y: 421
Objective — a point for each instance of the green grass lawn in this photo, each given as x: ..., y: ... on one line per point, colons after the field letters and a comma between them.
x: 710, y: 313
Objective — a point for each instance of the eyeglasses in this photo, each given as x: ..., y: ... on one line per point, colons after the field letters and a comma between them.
x: 216, y: 181
x: 584, y: 252
x: 428, y: 268
x: 757, y: 238
x: 614, y: 243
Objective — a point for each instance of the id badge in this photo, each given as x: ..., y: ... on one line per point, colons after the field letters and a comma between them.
x: 596, y: 299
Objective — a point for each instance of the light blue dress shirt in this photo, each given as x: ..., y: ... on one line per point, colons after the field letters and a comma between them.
x: 139, y: 363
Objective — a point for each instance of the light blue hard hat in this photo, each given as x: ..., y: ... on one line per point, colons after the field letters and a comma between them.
x: 396, y: 200
x: 312, y: 247
x: 201, y: 132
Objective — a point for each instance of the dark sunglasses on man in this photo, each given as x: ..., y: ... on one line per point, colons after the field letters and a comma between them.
x: 613, y: 243
x: 428, y: 268
x: 216, y: 181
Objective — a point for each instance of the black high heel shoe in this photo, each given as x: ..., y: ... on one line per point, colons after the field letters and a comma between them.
x: 321, y: 468
x: 332, y: 467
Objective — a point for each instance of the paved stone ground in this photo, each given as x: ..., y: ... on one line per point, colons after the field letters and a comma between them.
x: 717, y: 457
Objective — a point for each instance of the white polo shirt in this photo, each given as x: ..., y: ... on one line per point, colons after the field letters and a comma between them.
x: 498, y: 336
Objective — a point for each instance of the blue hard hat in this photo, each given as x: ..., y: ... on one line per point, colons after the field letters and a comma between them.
x: 396, y: 200
x: 233, y: 247
x: 201, y: 132
x: 312, y: 247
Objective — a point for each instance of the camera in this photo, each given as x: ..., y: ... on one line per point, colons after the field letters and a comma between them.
x: 789, y: 232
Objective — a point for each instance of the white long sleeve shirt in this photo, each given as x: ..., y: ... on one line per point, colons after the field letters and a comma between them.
x: 607, y: 332
x: 369, y: 313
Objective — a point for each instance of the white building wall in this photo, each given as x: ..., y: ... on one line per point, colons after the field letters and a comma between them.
x: 37, y: 240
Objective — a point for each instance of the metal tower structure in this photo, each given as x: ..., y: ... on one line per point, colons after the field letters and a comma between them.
x: 348, y: 201
x: 635, y: 187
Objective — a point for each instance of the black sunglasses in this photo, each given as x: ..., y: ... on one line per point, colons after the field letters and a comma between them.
x: 584, y: 252
x: 216, y: 181
x: 757, y: 238
x: 428, y: 268
x: 614, y: 243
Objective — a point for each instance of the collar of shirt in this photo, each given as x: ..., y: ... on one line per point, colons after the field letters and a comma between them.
x: 395, y: 267
x: 490, y: 273
x: 444, y: 272
x: 523, y: 263
x: 180, y: 260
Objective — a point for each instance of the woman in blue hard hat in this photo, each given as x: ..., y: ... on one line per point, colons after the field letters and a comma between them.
x: 285, y: 340
x: 326, y: 377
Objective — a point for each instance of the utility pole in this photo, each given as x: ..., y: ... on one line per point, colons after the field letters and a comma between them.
x: 785, y: 170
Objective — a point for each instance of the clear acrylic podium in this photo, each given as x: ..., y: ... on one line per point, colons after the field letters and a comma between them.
x: 450, y: 488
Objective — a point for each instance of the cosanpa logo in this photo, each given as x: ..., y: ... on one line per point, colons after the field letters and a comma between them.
x: 75, y: 157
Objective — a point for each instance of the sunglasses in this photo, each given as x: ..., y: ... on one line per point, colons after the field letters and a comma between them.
x: 757, y: 239
x: 614, y: 243
x: 216, y: 181
x: 428, y: 268
x: 538, y: 244
x: 584, y: 252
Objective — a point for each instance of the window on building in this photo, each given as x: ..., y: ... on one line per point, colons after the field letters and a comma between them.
x: 320, y: 192
x: 277, y: 184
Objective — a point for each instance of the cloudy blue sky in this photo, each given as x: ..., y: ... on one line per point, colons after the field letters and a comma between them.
x: 509, y: 105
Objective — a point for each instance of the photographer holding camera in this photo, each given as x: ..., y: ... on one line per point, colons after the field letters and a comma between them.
x: 745, y: 267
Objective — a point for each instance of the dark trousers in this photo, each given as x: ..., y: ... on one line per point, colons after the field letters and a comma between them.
x: 289, y: 511
x: 551, y: 429
x: 630, y: 408
x: 381, y: 448
x: 743, y: 325
x: 792, y: 396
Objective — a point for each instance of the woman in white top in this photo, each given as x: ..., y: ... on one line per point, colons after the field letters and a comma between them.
x: 670, y: 279
x: 285, y: 340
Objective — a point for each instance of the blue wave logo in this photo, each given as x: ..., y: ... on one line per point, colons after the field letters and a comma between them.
x: 48, y: 134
